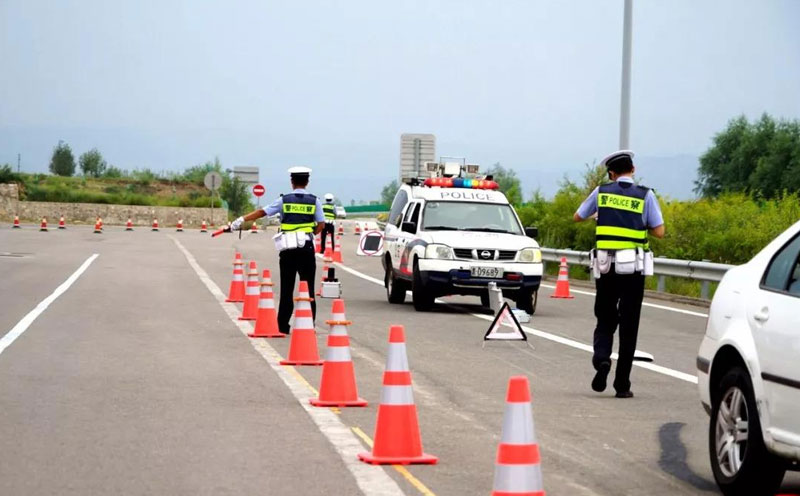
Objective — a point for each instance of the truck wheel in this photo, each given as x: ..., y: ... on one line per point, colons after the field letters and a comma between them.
x: 741, y: 464
x: 422, y: 298
x: 395, y: 288
x: 527, y: 301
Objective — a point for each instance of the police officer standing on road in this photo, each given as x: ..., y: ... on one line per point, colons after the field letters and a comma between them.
x: 625, y: 213
x: 329, y: 209
x: 301, y: 217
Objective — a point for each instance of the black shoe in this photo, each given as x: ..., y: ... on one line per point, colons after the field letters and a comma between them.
x: 624, y: 394
x: 599, y: 381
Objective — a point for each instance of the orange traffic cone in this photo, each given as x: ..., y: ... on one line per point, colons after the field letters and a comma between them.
x: 337, y: 250
x: 562, y: 284
x: 254, y: 228
x: 250, y: 307
x: 267, y: 319
x: 203, y: 227
x: 43, y: 226
x: 155, y: 225
x: 179, y: 227
x: 322, y: 279
x: 236, y: 290
x: 517, y: 470
x: 16, y: 222
x: 317, y: 244
x: 303, y: 342
x: 61, y: 223
x: 98, y: 229
x: 328, y: 256
x: 100, y: 220
x: 357, y: 231
x: 341, y: 229
x: 338, y: 381
x: 397, y: 437
x: 129, y: 225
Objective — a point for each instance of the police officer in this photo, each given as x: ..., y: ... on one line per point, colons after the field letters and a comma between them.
x: 329, y: 209
x: 625, y: 213
x: 301, y: 212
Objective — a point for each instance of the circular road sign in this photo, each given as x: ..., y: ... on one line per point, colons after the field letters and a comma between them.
x: 213, y: 180
x: 258, y: 190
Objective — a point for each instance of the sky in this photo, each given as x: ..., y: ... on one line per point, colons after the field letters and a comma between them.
x: 534, y: 85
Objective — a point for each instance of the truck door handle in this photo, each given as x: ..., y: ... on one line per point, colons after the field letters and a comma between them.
x: 762, y: 315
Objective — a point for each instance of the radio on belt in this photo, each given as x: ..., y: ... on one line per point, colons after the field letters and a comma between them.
x: 331, y: 287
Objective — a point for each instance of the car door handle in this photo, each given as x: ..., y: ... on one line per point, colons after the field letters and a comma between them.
x: 762, y: 315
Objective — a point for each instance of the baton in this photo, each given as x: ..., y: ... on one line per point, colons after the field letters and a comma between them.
x: 226, y: 229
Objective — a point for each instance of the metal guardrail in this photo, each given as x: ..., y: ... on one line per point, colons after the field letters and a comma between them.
x: 663, y: 267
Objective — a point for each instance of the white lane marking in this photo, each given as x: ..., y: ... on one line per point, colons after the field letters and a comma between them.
x: 27, y: 320
x: 644, y: 303
x: 553, y: 337
x: 371, y: 479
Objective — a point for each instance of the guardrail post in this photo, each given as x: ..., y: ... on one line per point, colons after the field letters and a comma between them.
x: 662, y: 280
x: 704, y: 286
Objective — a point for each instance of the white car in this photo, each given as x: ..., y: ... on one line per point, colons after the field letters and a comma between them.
x: 749, y: 370
x: 453, y: 240
x: 340, y: 212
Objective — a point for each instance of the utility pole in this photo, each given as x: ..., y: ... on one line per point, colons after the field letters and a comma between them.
x: 625, y: 97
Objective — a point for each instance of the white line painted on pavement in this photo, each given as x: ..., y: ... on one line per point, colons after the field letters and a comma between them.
x: 27, y: 320
x: 552, y: 337
x: 371, y: 479
x: 644, y: 303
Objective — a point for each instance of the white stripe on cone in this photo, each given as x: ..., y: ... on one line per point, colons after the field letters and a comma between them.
x: 517, y: 478
x: 397, y: 395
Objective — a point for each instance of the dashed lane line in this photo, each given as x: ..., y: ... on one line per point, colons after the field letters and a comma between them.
x: 370, y: 479
x: 28, y: 319
x: 552, y: 337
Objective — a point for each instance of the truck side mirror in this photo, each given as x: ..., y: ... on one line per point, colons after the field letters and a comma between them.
x: 532, y: 232
x: 409, y: 227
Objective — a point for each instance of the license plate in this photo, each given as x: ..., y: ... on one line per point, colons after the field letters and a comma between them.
x: 487, y: 272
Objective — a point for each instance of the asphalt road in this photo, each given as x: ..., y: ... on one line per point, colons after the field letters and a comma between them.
x: 136, y: 380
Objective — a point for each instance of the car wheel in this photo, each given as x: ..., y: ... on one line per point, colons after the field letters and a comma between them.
x: 741, y: 464
x: 527, y: 301
x: 395, y: 288
x: 422, y: 298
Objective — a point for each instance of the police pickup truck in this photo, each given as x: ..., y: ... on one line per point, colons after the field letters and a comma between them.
x: 453, y: 236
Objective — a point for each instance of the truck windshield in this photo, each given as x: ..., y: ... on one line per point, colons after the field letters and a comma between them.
x: 466, y: 216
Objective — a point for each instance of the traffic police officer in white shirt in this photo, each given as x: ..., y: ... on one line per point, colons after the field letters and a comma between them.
x: 626, y: 213
x: 329, y: 209
x: 301, y: 218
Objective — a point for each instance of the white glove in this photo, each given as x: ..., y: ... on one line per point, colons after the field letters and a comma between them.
x: 236, y: 224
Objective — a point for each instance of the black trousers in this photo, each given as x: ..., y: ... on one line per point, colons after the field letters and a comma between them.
x: 328, y: 229
x: 300, y: 261
x: 618, y: 303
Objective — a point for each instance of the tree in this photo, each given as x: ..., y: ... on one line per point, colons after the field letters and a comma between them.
x: 762, y: 158
x: 389, y: 191
x: 92, y: 163
x: 197, y: 173
x: 508, y: 181
x: 235, y: 193
x: 62, y: 162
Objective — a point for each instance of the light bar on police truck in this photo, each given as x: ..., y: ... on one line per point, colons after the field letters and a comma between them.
x: 460, y: 182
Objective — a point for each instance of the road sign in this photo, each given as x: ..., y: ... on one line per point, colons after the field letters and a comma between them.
x: 370, y: 244
x: 213, y: 180
x: 259, y: 190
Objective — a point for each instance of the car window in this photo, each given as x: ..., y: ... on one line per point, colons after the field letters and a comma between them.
x: 400, y: 200
x: 783, y: 272
x: 410, y: 212
x: 470, y: 216
x: 415, y: 216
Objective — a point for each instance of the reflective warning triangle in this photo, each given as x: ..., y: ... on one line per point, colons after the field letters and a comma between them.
x: 505, y: 318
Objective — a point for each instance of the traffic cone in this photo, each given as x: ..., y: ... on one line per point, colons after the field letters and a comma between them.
x: 250, y: 307
x: 517, y: 470
x: 16, y: 222
x: 236, y: 290
x: 562, y: 284
x: 357, y: 231
x: 100, y: 220
x: 155, y: 225
x: 267, y: 319
x: 338, y: 381
x: 203, y: 227
x: 397, y: 437
x: 317, y: 243
x: 322, y: 279
x: 328, y: 256
x: 303, y: 342
x: 129, y: 225
x: 98, y: 229
x: 43, y: 226
x: 61, y: 223
x: 254, y: 228
x: 337, y: 250
x: 341, y: 229
x: 179, y: 227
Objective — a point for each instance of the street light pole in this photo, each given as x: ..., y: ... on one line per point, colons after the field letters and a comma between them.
x: 625, y: 97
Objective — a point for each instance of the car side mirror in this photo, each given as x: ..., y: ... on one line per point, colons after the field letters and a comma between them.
x: 409, y: 227
x: 532, y: 232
